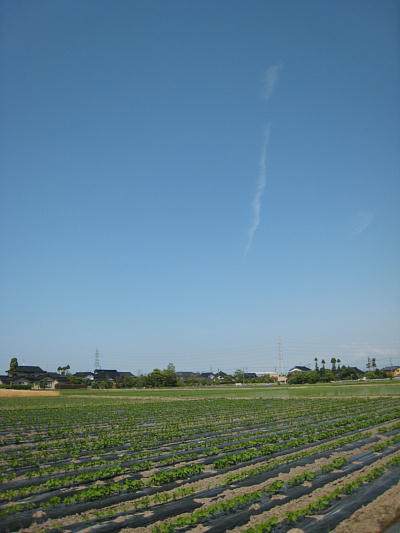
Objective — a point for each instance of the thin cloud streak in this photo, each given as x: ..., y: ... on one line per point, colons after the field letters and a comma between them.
x: 270, y: 80
x: 362, y: 221
x: 261, y: 183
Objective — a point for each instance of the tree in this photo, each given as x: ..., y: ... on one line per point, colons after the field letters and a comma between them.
x: 338, y: 364
x: 349, y: 372
x: 333, y: 362
x: 373, y: 363
x: 13, y: 370
x: 239, y: 376
x: 155, y: 378
x: 170, y: 377
x: 316, y: 364
x: 267, y: 378
x: 171, y: 367
x: 323, y: 365
x: 304, y: 377
x: 63, y: 369
x: 128, y: 382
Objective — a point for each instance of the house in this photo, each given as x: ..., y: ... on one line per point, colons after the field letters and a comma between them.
x: 394, y: 370
x: 22, y: 381
x: 222, y: 376
x: 27, y: 371
x: 25, y: 375
x: 34, y: 377
x: 209, y: 376
x: 123, y: 375
x: 187, y: 376
x: 110, y: 376
x: 84, y: 375
x: 49, y: 380
x: 278, y: 377
x: 299, y: 369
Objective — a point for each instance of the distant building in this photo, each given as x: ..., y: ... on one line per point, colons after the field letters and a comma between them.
x: 394, y: 370
x: 84, y: 375
x: 299, y: 369
x: 23, y: 370
x: 207, y: 376
x: 50, y: 380
x: 249, y: 375
x: 110, y: 376
x: 187, y: 376
x: 34, y: 377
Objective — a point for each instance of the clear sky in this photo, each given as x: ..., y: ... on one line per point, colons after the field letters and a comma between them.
x: 187, y: 181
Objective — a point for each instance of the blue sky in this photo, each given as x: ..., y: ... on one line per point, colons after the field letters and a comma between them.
x: 188, y: 181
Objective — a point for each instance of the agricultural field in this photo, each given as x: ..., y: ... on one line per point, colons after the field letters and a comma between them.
x: 109, y: 462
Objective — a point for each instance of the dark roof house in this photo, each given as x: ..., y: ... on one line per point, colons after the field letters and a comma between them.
x: 207, y: 375
x: 299, y: 369
x: 84, y: 375
x: 186, y: 376
x: 110, y: 375
x: 104, y: 375
x: 48, y: 380
x: 125, y: 374
x: 22, y: 369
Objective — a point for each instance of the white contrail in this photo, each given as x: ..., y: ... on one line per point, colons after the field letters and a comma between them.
x: 362, y: 221
x: 270, y: 79
x: 261, y: 183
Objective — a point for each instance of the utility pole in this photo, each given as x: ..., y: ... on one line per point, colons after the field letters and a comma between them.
x: 97, y: 365
x: 280, y: 368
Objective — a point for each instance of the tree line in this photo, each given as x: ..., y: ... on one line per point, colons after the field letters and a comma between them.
x: 337, y: 372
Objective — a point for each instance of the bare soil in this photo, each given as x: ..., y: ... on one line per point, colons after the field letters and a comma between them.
x: 375, y: 517
x: 11, y: 393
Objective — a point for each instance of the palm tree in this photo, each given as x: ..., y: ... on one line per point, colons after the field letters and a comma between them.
x: 323, y: 365
x: 338, y: 364
x: 316, y: 364
x: 333, y: 361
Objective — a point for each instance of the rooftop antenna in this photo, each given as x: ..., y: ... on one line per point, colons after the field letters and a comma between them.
x: 280, y: 369
x: 97, y: 365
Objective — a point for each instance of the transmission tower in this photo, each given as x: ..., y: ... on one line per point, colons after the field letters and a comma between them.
x: 97, y: 365
x: 279, y: 365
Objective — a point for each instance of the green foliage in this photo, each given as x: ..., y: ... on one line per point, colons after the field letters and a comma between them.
x: 13, y: 370
x: 167, y: 476
x: 334, y: 465
x: 301, y: 478
x: 386, y: 443
x: 304, y: 377
x: 275, y: 487
x: 265, y: 527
